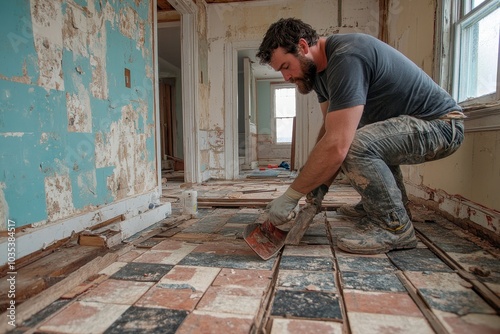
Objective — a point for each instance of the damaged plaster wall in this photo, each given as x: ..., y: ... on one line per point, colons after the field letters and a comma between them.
x: 73, y: 136
x: 248, y: 21
x: 467, y: 181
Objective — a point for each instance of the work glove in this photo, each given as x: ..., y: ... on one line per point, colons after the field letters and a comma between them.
x: 315, y: 197
x: 280, y: 209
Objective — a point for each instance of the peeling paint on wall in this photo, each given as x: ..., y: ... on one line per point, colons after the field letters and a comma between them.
x: 72, y: 137
x: 75, y: 32
x: 58, y: 197
x: 132, y: 27
x: 87, y: 183
x: 126, y: 150
x: 79, y: 113
x: 47, y: 19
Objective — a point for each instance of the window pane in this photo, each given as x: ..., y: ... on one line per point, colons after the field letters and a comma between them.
x: 285, y: 102
x: 476, y: 3
x: 479, y: 57
x: 284, y: 130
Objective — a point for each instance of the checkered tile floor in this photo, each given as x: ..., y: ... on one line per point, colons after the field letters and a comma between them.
x: 205, y: 279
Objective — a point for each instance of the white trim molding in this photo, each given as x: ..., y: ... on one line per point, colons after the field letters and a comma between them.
x: 135, y: 210
x: 189, y: 69
x: 487, y: 118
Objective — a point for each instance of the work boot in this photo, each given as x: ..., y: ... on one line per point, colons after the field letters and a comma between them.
x: 356, y: 211
x: 373, y: 239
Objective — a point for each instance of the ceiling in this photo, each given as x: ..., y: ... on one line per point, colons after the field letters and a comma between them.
x: 169, y: 46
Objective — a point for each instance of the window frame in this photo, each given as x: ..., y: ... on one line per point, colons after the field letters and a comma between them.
x: 274, y: 87
x: 466, y: 18
x: 483, y: 112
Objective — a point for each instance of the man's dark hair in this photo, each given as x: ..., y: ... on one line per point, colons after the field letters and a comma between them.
x: 285, y: 33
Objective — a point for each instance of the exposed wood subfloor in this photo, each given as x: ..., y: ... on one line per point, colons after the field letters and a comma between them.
x: 197, y: 275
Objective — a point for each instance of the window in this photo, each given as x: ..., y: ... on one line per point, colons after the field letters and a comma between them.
x: 476, y: 27
x: 284, y: 111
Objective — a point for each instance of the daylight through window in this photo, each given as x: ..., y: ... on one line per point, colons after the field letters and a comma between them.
x: 477, y: 48
x: 284, y: 112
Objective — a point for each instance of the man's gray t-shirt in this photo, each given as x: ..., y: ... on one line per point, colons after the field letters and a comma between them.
x: 362, y: 70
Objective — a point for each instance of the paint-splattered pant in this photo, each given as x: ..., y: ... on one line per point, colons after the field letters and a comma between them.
x: 372, y: 163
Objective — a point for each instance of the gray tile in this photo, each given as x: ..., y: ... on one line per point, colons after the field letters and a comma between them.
x: 459, y: 302
x: 315, y: 240
x: 147, y: 320
x: 208, y: 224
x: 145, y: 272
x: 45, y: 313
x: 311, y: 305
x: 365, y: 264
x: 150, y: 243
x: 306, y: 280
x: 372, y: 282
x: 418, y: 259
x: 458, y: 246
x: 243, y: 218
x: 226, y: 261
x: 310, y: 263
x: 232, y: 230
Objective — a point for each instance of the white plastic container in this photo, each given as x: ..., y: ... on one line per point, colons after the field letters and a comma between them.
x: 190, y: 198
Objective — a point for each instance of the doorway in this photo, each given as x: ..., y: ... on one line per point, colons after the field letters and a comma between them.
x: 186, y: 90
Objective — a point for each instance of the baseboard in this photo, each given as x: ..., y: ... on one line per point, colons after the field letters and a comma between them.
x: 479, y: 220
x: 135, y: 210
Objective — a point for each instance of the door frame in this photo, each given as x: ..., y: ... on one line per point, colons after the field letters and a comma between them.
x: 189, y: 84
x: 231, y: 160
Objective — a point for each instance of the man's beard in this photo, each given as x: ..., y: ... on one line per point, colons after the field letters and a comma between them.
x: 306, y: 83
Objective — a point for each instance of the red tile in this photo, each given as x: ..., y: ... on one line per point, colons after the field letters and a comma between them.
x: 380, y: 303
x: 175, y: 299
x: 198, y: 322
x: 244, y: 278
x: 84, y: 317
x: 195, y: 278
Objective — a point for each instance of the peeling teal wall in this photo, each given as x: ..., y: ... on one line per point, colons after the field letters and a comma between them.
x: 72, y: 136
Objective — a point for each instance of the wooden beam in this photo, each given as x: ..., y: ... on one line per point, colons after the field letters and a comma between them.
x: 383, y: 30
x: 168, y: 16
x: 205, y: 202
x: 164, y: 5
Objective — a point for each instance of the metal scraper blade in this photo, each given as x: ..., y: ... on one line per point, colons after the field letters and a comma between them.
x: 265, y: 239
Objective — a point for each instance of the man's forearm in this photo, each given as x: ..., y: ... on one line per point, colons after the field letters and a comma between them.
x: 320, y: 168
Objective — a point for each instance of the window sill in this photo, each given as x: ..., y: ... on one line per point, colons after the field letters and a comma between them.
x: 482, y: 117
